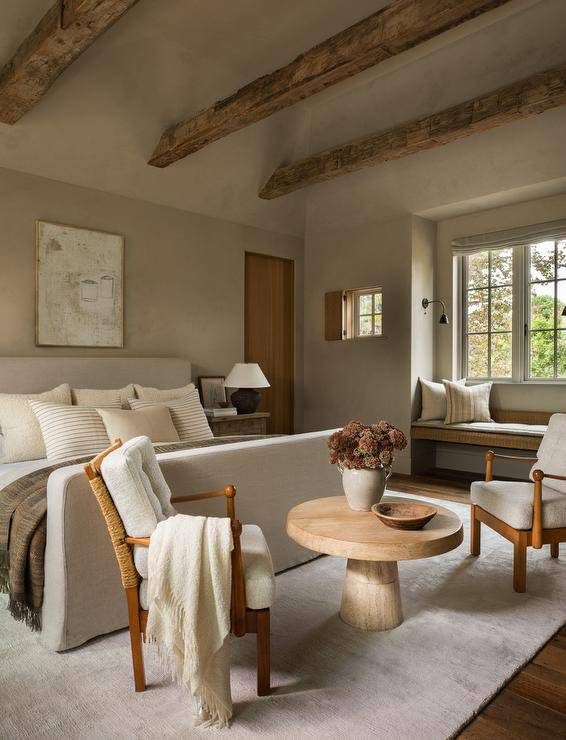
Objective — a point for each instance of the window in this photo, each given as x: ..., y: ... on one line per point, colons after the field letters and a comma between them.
x: 362, y: 315
x: 512, y: 304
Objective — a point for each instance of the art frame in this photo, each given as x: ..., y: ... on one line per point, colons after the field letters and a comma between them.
x: 212, y: 391
x: 64, y: 295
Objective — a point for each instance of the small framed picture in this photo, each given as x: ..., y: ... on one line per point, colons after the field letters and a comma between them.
x: 212, y: 391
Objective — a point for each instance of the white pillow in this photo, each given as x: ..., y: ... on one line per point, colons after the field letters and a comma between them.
x: 94, y: 397
x: 153, y: 422
x: 434, y: 399
x: 70, y: 431
x: 20, y: 429
x: 187, y: 414
x: 158, y: 394
x: 467, y: 404
x: 139, y: 491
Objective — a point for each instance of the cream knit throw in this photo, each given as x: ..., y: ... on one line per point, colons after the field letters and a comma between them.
x: 189, y: 609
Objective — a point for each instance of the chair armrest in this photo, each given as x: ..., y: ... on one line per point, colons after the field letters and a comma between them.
x: 551, y: 475
x: 143, y: 541
x: 491, y: 455
x: 229, y: 492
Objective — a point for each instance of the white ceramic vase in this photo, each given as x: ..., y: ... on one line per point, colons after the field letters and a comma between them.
x: 365, y: 487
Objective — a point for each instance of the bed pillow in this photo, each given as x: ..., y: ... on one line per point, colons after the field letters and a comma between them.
x: 70, y: 431
x: 115, y: 399
x: 20, y: 429
x: 465, y: 404
x: 433, y: 397
x: 157, y: 394
x: 187, y: 414
x: 154, y: 422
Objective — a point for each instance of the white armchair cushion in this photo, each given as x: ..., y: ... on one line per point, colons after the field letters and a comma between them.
x: 258, y: 570
x: 513, y: 503
x: 552, y: 453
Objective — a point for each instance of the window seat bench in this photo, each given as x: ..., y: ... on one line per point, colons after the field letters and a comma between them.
x: 511, y: 430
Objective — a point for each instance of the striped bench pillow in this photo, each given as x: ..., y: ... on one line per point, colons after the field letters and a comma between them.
x: 187, y: 414
x: 70, y: 431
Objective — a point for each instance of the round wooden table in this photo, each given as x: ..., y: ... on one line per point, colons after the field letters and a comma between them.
x: 371, y: 599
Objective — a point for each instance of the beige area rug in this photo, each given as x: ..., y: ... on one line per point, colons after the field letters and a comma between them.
x: 465, y: 633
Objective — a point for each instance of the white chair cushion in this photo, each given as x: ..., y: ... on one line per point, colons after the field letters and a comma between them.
x: 513, y: 503
x: 139, y: 491
x: 552, y: 453
x: 258, y: 570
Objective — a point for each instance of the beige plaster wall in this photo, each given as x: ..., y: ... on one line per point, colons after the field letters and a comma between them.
x: 184, y: 274
x: 367, y: 379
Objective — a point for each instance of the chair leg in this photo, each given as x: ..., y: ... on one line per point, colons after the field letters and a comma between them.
x: 132, y: 597
x: 263, y: 653
x: 520, y: 564
x: 475, y: 538
x: 554, y: 549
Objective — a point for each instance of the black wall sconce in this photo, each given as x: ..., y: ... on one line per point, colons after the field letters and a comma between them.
x: 443, y: 317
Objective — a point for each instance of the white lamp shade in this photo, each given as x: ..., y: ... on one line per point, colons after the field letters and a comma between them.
x: 246, y: 375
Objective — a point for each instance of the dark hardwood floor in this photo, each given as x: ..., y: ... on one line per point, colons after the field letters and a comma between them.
x: 533, y: 704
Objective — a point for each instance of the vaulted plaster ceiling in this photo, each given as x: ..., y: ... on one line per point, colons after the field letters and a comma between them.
x: 163, y: 61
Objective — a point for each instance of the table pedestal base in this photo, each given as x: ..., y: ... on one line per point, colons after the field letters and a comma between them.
x: 371, y: 599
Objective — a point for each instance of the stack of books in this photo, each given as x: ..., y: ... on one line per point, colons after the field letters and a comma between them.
x: 217, y: 413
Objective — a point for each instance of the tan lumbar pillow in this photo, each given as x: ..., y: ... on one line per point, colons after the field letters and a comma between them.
x: 116, y: 399
x: 466, y: 404
x: 21, y: 431
x: 154, y: 422
x: 433, y: 397
x: 158, y: 394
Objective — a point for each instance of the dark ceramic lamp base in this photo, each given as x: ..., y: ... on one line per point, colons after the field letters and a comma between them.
x: 246, y: 400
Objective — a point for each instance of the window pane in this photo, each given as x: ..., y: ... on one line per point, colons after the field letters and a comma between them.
x: 377, y: 299
x: 542, y: 261
x: 502, y: 267
x: 365, y: 304
x: 542, y: 354
x: 561, y: 354
x: 478, y: 310
x: 561, y: 267
x: 561, y: 303
x: 478, y: 270
x: 501, y: 355
x: 477, y: 356
x: 502, y: 309
x: 365, y: 326
x: 542, y: 306
x: 377, y: 320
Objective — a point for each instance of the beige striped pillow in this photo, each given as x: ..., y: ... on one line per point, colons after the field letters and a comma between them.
x: 70, y: 431
x: 187, y: 414
x: 465, y: 404
x: 107, y: 399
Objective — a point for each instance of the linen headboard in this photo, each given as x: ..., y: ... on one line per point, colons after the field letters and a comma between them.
x: 36, y: 374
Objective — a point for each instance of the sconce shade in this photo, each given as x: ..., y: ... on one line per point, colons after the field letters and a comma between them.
x: 443, y: 319
x: 246, y: 375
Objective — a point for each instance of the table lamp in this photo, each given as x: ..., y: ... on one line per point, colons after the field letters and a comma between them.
x: 246, y: 376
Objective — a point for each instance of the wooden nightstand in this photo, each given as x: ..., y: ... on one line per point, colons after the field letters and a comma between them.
x: 241, y: 424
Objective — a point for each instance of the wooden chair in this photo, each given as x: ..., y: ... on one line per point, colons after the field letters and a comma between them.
x: 243, y: 620
x: 524, y: 504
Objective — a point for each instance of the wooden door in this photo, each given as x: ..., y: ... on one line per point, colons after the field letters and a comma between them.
x: 270, y: 333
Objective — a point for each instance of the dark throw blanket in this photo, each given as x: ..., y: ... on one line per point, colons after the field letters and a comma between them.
x: 23, y: 528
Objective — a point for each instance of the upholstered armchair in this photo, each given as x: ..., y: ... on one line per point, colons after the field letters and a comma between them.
x: 132, y: 506
x: 528, y: 514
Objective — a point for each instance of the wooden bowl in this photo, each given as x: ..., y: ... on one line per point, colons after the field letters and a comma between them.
x: 404, y: 516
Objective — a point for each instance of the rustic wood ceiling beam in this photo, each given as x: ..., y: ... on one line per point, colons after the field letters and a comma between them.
x: 524, y: 99
x: 392, y: 30
x: 65, y: 31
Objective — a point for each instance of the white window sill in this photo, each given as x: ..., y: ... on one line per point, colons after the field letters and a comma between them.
x: 504, y: 381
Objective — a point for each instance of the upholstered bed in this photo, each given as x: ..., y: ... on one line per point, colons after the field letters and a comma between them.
x: 82, y: 595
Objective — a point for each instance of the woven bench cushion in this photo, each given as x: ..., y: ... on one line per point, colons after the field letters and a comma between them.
x: 529, y: 430
x: 258, y: 570
x: 513, y: 503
